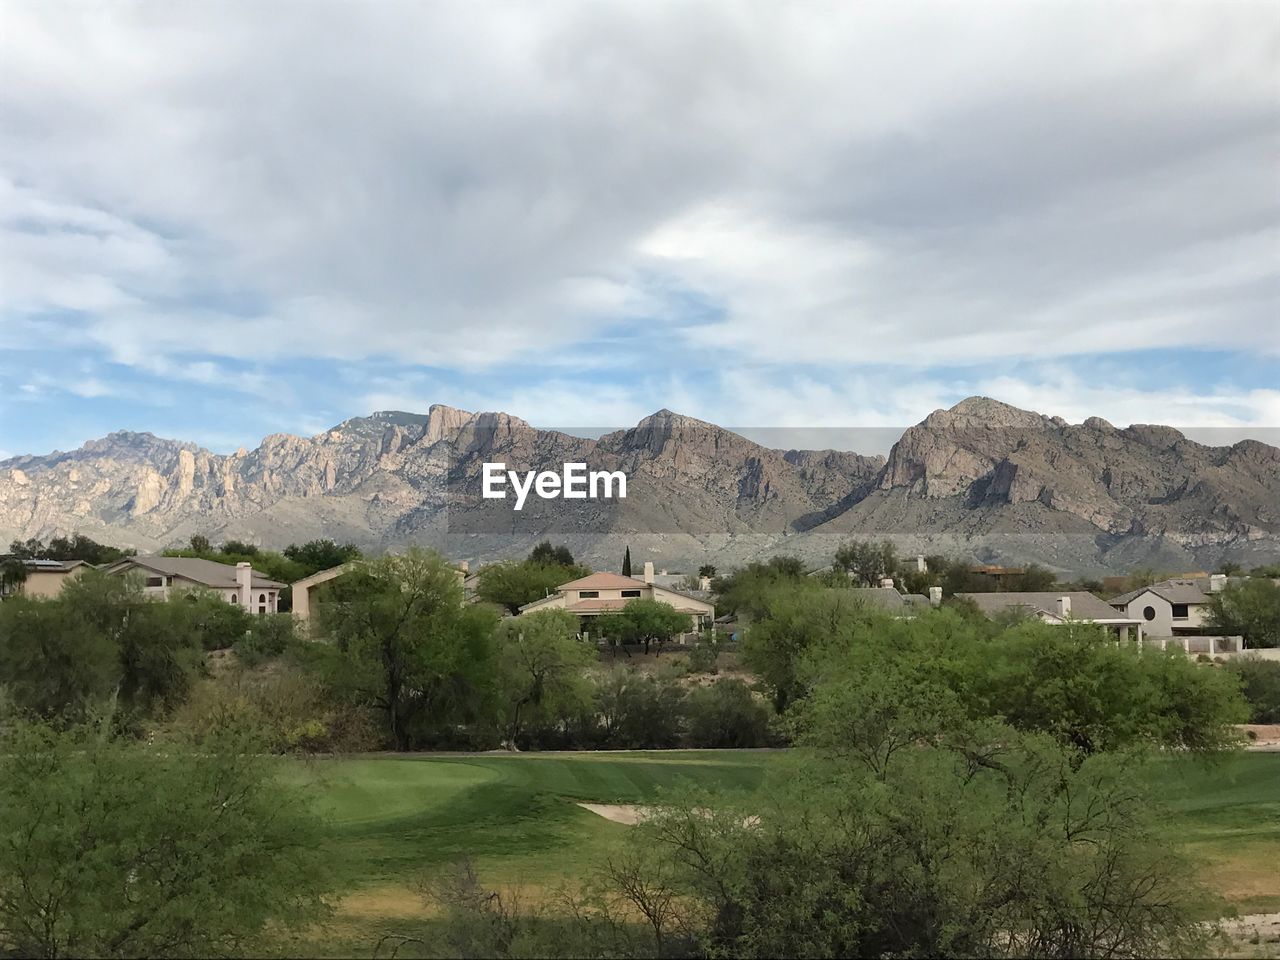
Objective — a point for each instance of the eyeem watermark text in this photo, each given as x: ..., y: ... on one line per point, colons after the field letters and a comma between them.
x: 574, y: 482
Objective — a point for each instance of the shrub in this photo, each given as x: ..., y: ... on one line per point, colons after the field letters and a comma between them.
x: 726, y: 714
x: 1260, y: 682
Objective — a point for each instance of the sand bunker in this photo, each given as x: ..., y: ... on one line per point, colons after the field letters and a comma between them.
x: 630, y: 814
x: 625, y: 813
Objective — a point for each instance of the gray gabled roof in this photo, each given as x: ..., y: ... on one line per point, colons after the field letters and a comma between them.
x: 1084, y: 606
x: 207, y: 573
x: 886, y: 598
x: 1174, y: 591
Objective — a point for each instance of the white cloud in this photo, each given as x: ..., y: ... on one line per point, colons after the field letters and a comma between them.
x: 742, y: 209
x: 977, y: 171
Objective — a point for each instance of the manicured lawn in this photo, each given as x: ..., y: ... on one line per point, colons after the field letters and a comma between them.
x: 1228, y: 814
x: 395, y: 820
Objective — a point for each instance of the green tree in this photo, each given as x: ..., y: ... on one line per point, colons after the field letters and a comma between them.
x: 406, y: 644
x: 726, y: 715
x: 512, y: 585
x: 626, y: 562
x: 199, y: 543
x: 114, y: 849
x: 1073, y: 683
x: 53, y: 662
x: 707, y: 570
x: 741, y: 591
x: 317, y: 555
x: 547, y: 555
x: 867, y: 563
x: 13, y: 574
x: 1250, y: 609
x: 76, y: 547
x: 1002, y: 847
x: 638, y: 711
x: 789, y: 623
x: 1260, y: 684
x: 239, y: 548
x: 646, y: 622
x: 541, y: 670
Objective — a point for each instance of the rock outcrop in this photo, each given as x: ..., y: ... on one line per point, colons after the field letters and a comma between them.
x: 982, y: 476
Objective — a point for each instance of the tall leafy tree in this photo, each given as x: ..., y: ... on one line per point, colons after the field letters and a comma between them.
x: 545, y: 553
x: 867, y: 562
x: 1250, y: 609
x: 541, y: 670
x: 406, y: 643
x: 512, y: 585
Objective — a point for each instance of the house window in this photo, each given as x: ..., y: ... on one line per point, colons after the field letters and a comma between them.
x: 630, y: 593
x: 155, y: 581
x: 262, y: 598
x: 1149, y: 613
x: 1179, y: 611
x: 588, y: 594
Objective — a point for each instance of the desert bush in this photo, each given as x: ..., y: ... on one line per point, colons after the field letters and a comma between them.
x: 726, y: 714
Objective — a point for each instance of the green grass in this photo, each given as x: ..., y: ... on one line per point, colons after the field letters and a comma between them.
x: 1228, y: 815
x: 393, y: 821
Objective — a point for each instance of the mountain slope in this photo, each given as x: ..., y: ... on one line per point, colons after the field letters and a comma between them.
x: 982, y: 478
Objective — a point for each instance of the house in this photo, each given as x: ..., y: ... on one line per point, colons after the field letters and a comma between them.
x: 239, y: 584
x: 1059, y: 607
x: 1171, y: 608
x: 601, y: 593
x: 42, y: 578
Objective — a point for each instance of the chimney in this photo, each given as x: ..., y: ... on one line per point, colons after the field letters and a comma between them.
x: 935, y: 596
x: 648, y: 571
x: 704, y: 583
x: 1216, y: 582
x: 244, y: 577
x: 464, y: 566
x: 1064, y: 607
x: 921, y: 566
x: 887, y: 583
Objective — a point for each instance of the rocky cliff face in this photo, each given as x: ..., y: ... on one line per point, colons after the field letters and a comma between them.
x: 981, y: 477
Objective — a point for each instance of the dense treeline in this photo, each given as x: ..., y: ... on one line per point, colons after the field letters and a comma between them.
x: 78, y: 547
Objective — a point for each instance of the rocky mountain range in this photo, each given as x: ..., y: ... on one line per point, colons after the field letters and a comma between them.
x: 982, y: 479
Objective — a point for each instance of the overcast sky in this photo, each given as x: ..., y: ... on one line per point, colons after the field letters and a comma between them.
x: 222, y: 220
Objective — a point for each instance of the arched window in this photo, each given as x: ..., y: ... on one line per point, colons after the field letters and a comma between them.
x: 262, y: 598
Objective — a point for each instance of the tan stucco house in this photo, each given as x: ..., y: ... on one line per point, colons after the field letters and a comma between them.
x: 44, y: 578
x: 1172, y: 608
x: 602, y: 593
x: 240, y: 584
x: 1058, y: 608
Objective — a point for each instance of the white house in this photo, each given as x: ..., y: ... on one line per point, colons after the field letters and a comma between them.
x: 240, y: 584
x: 1172, y: 608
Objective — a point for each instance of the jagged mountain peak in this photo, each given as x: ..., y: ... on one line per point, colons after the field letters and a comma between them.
x: 992, y: 412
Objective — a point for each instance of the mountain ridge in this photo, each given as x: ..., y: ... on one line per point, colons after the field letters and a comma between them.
x: 982, y: 477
